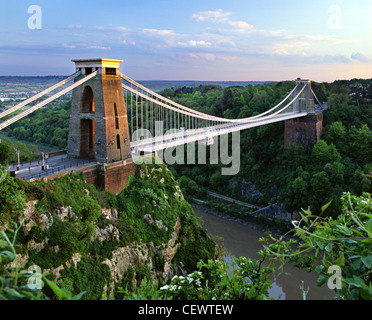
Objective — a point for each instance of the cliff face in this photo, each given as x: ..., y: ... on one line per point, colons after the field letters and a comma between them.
x: 90, y: 240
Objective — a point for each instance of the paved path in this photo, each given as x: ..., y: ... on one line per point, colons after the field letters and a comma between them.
x: 241, y: 203
x: 61, y: 163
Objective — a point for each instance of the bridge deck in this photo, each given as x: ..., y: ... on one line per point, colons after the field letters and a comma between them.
x: 58, y: 164
x: 189, y: 136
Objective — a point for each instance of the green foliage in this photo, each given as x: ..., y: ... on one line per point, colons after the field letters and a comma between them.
x: 12, y: 199
x: 343, y: 154
x: 9, y: 149
x: 345, y: 242
x: 325, y: 153
x: 335, y: 133
x: 361, y: 143
x: 49, y: 126
x: 237, y: 279
x: 147, y: 290
x: 90, y: 276
x: 5, y: 152
x: 339, y: 100
x: 198, y: 247
x: 151, y: 193
x: 25, y: 284
x: 190, y: 187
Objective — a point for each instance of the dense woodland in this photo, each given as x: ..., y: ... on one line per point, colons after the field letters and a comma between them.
x: 340, y: 162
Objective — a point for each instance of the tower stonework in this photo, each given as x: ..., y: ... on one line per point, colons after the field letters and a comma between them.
x: 99, y: 125
x: 305, y: 131
x: 98, y: 118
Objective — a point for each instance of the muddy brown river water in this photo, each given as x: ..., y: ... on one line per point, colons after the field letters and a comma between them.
x: 241, y: 240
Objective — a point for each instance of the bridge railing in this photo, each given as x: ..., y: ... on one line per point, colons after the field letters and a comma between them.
x: 59, y: 169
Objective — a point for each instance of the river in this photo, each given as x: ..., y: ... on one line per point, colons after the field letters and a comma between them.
x: 241, y: 240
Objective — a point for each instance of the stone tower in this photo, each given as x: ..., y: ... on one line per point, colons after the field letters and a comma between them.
x: 98, y: 118
x: 305, y: 131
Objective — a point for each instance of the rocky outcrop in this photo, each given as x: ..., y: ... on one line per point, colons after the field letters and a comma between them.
x: 123, y: 259
x: 141, y: 254
x: 248, y: 190
x: 275, y: 211
x: 32, y: 218
x: 90, y: 247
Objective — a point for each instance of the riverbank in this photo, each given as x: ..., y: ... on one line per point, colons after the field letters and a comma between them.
x: 260, y: 223
x: 242, y: 239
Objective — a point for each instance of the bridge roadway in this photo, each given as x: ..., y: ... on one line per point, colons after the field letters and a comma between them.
x: 181, y: 137
x: 53, y: 165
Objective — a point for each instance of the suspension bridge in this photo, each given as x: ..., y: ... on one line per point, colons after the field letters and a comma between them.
x: 114, y: 118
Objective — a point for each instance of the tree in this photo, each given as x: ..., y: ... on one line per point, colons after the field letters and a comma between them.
x: 299, y: 191
x: 361, y: 182
x: 326, y: 153
x: 245, y: 112
x: 322, y: 188
x: 5, y: 152
x: 217, y: 180
x: 338, y: 100
x: 188, y: 186
x: 337, y: 173
x: 361, y: 143
x: 342, y: 244
x: 227, y: 99
x: 260, y: 101
x: 228, y: 114
x: 335, y: 132
x: 12, y: 198
x: 168, y: 93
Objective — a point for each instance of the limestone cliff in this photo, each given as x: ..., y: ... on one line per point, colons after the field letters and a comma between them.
x: 89, y: 240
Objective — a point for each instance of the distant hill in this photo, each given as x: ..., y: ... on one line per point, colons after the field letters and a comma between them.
x: 159, y: 85
x: 7, y: 83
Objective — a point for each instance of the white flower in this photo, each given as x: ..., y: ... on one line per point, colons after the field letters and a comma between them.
x: 214, y: 298
x: 164, y: 288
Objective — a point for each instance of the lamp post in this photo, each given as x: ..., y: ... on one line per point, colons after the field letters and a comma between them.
x: 42, y: 156
x: 19, y: 163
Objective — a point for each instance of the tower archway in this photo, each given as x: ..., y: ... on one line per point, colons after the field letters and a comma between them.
x: 87, y: 138
x: 87, y: 104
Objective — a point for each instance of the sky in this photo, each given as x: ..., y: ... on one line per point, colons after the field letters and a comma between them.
x: 235, y: 40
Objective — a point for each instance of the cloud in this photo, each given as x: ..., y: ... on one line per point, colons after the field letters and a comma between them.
x: 99, y: 47
x: 74, y: 26
x: 160, y: 32
x: 359, y: 57
x: 242, y: 25
x: 195, y: 43
x: 122, y: 29
x: 211, y: 57
x: 69, y: 46
x: 328, y: 39
x: 218, y: 16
